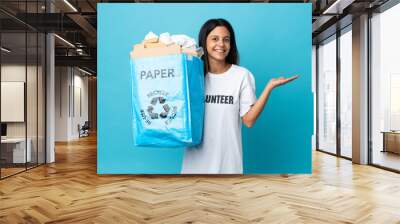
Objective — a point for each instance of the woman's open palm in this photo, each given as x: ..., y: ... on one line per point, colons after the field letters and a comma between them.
x: 274, y: 82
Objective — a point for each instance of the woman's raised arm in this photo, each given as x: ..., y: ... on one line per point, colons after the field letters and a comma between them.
x: 251, y: 116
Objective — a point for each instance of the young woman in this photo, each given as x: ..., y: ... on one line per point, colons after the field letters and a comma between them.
x: 230, y: 100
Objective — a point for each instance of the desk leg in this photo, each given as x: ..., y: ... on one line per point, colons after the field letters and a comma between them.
x: 384, y: 142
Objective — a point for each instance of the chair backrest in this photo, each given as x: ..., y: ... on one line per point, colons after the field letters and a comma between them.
x: 86, y: 125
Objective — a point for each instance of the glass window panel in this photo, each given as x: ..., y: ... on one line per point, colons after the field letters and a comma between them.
x: 327, y: 96
x: 346, y: 94
x: 314, y: 66
x: 385, y: 88
x: 32, y: 95
x: 22, y: 63
x: 14, y: 152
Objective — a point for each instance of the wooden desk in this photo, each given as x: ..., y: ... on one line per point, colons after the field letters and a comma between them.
x: 16, y: 147
x: 391, y: 141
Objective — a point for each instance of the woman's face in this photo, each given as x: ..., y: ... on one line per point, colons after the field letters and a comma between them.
x: 218, y: 43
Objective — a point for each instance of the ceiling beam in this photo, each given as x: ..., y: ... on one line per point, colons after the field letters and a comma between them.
x: 83, y: 61
x: 337, y: 7
x: 86, y: 26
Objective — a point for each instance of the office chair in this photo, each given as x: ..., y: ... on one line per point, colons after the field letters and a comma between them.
x: 84, y: 130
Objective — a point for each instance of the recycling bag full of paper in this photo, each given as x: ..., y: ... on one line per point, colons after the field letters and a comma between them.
x: 168, y: 100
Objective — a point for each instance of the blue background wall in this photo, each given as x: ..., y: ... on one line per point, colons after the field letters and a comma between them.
x: 273, y: 40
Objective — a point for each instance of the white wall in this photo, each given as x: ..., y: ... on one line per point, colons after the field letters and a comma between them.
x: 15, y: 72
x: 71, y: 94
x: 62, y: 82
x: 12, y: 73
x: 80, y: 109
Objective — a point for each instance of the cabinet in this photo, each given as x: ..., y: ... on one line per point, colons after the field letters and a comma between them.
x: 391, y: 141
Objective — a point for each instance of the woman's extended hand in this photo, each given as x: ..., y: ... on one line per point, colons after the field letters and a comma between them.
x: 274, y: 82
x: 251, y: 116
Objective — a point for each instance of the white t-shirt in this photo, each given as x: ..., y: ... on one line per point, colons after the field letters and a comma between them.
x: 228, y: 97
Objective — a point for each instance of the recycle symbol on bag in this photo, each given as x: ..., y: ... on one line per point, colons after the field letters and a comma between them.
x: 158, y: 108
x: 166, y: 108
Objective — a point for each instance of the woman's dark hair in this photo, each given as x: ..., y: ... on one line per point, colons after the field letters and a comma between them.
x: 233, y: 55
